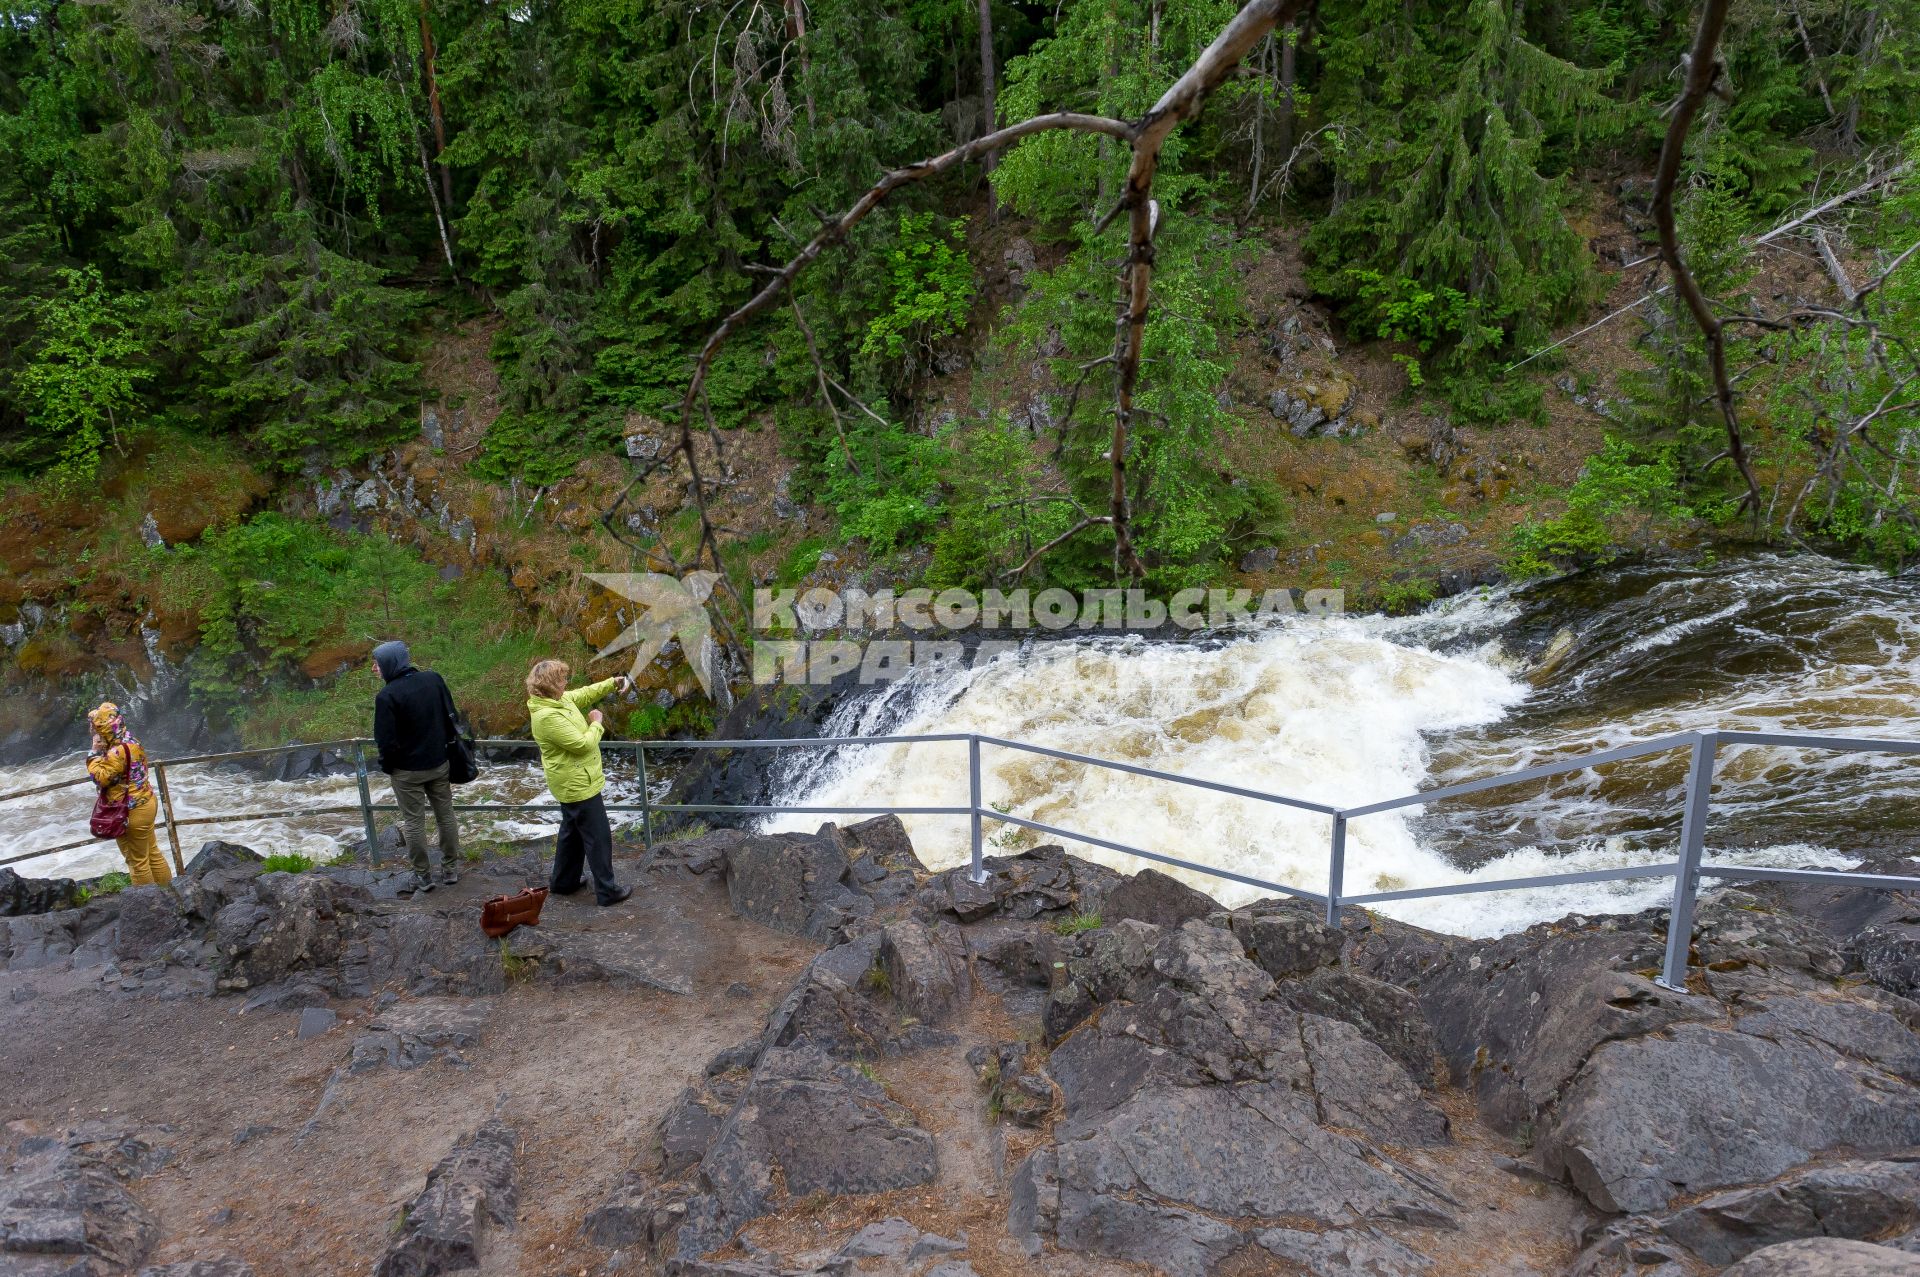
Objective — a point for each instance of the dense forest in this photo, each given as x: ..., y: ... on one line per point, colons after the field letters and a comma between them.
x: 242, y: 219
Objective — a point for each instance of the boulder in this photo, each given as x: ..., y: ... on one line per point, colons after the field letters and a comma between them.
x: 1386, y: 1015
x: 1286, y: 941
x: 797, y: 883
x: 1644, y: 1119
x: 1153, y: 897
x: 65, y: 1213
x: 444, y: 1228
x: 410, y: 1034
x: 1044, y: 880
x: 20, y: 896
x: 1192, y: 1052
x: 1889, y: 953
x: 287, y: 923
x: 926, y: 971
x: 1859, y: 1200
x: 1826, y: 1257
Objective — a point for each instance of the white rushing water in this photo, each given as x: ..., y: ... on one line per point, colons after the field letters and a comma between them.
x: 50, y: 820
x: 1345, y: 712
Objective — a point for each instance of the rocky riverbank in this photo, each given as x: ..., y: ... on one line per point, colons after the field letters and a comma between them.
x: 805, y: 1054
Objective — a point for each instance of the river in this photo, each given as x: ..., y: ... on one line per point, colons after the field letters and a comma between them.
x: 1359, y: 709
x: 1341, y: 711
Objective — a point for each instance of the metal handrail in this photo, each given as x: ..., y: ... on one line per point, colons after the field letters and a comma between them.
x: 1686, y: 870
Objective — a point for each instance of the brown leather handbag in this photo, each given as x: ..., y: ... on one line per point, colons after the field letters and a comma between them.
x: 503, y: 913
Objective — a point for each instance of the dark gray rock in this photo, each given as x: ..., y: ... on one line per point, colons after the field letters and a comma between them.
x: 1261, y: 558
x: 892, y: 1238
x: 800, y: 1120
x: 289, y: 995
x: 316, y: 1020
x: 1152, y: 897
x: 824, y: 1126
x: 1890, y: 955
x: 1826, y: 1257
x: 1386, y: 1015
x: 1193, y: 1052
x: 64, y: 1212
x: 700, y: 855
x: 797, y: 883
x: 20, y: 896
x: 201, y: 1268
x: 410, y: 1034
x: 1343, y: 1252
x: 833, y: 1005
x: 1645, y: 1119
x: 926, y: 971
x: 289, y: 923
x: 1286, y: 941
x: 472, y: 1189
x: 1044, y: 880
x: 590, y: 957
x: 1860, y: 1200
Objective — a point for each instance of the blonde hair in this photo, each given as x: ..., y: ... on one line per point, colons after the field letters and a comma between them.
x: 548, y: 678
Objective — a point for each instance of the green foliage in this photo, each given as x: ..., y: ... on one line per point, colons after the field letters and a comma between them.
x: 888, y: 495
x: 271, y: 592
x: 1442, y: 129
x: 1076, y: 924
x: 1619, y: 478
x: 82, y: 384
x: 286, y: 862
x: 932, y: 288
x: 108, y: 884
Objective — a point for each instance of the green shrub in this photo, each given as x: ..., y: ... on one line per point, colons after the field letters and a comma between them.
x: 286, y: 862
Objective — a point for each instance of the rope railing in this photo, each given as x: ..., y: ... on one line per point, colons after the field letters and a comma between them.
x: 1686, y: 869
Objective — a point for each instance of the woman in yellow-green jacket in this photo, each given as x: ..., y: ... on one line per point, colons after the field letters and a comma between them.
x: 568, y: 733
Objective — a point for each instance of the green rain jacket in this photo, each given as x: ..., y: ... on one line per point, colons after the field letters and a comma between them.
x: 569, y: 744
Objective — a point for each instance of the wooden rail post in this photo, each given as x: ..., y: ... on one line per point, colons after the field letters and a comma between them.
x: 166, y: 805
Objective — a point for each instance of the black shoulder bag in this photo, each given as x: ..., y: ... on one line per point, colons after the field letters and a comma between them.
x: 463, y: 763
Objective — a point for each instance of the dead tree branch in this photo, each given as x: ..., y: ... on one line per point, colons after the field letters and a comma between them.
x: 1181, y: 102
x: 1703, y: 78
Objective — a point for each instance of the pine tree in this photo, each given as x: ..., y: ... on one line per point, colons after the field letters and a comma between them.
x: 1444, y: 121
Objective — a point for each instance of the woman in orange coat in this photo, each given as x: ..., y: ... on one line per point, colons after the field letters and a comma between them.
x: 119, y: 766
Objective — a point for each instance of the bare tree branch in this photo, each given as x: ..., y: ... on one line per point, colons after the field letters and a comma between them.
x: 1703, y: 77
x: 1181, y: 102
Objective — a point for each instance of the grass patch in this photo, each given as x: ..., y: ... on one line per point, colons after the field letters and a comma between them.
x: 516, y: 969
x: 286, y: 862
x: 877, y: 979
x: 1077, y: 924
x: 111, y: 884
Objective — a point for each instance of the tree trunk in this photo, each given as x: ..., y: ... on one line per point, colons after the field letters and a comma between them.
x: 989, y: 116
x: 1289, y: 48
x: 430, y: 60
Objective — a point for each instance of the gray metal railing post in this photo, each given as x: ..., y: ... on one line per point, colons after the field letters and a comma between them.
x: 1336, y: 869
x: 977, y: 871
x: 1686, y: 870
x: 646, y: 803
x: 366, y: 802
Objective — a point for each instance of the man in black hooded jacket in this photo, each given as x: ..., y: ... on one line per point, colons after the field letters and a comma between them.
x: 412, y: 724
